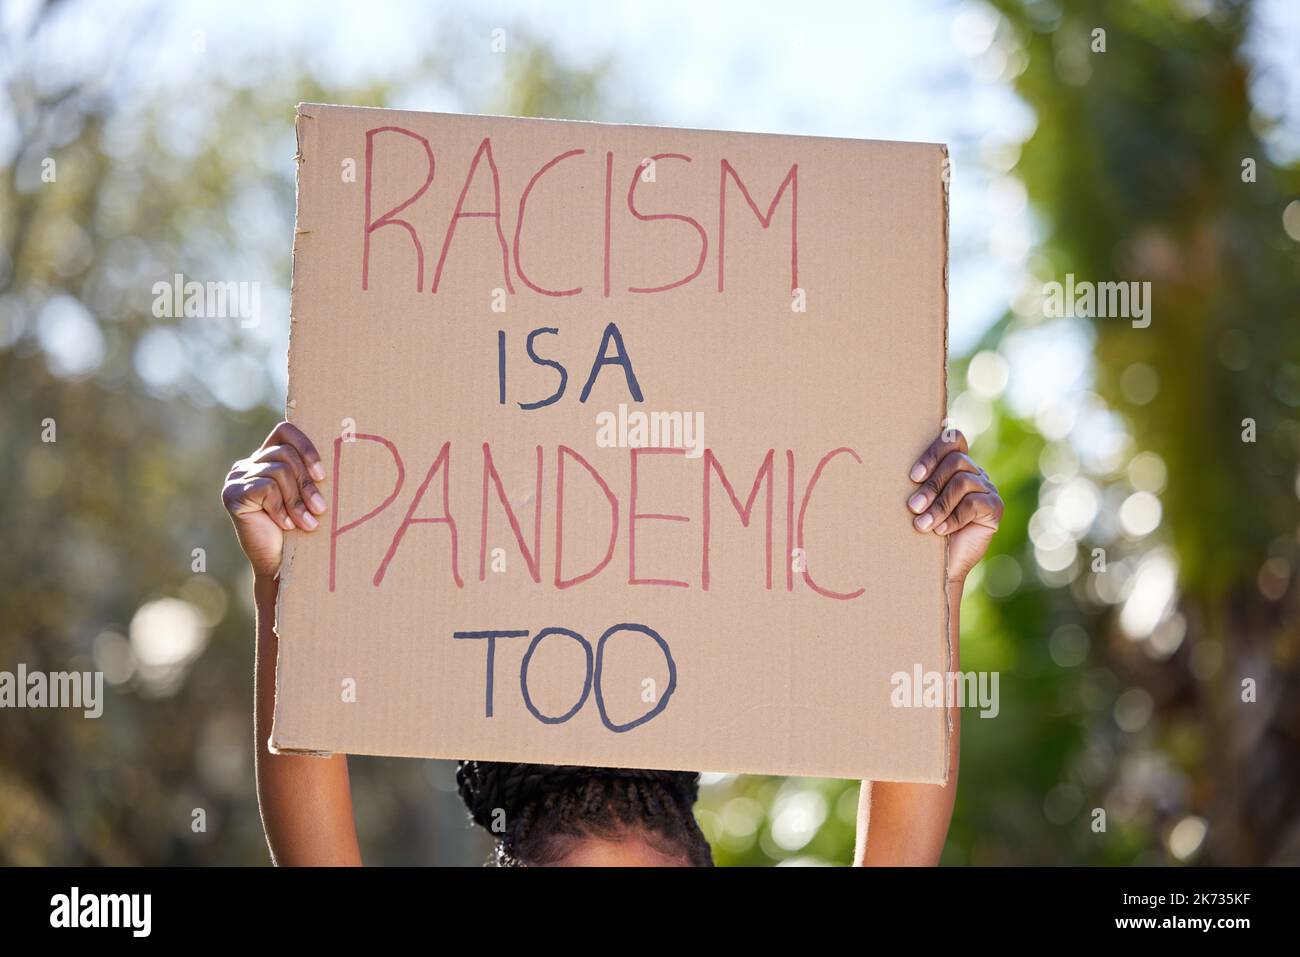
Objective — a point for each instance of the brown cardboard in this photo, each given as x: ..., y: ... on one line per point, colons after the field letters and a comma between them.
x: 780, y: 679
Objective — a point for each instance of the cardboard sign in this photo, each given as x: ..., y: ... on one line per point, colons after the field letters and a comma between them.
x: 618, y: 422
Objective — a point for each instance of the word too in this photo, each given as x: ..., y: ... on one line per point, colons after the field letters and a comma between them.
x: 591, y: 679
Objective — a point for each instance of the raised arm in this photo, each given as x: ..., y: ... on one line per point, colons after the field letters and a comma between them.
x: 903, y: 824
x: 306, y: 802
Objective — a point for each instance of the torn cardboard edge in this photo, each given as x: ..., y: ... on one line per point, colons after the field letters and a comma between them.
x: 290, y: 407
x: 945, y: 178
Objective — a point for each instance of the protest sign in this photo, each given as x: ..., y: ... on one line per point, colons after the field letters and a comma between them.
x: 618, y: 422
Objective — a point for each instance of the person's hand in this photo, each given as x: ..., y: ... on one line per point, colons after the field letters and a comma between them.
x: 955, y: 498
x: 272, y: 491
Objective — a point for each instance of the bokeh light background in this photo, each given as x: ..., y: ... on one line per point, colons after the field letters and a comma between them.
x: 171, y: 130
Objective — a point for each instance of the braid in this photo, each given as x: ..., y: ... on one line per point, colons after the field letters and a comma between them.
x: 537, y: 812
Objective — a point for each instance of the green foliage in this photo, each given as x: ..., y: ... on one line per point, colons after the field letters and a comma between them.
x: 1134, y: 172
x: 105, y: 519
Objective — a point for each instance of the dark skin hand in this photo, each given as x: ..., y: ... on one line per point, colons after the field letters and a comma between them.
x: 955, y: 498
x: 273, y: 491
x: 306, y: 802
x: 902, y: 824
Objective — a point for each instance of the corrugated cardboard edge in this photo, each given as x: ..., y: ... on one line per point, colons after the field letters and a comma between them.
x: 302, y: 107
x: 945, y: 180
x: 301, y: 114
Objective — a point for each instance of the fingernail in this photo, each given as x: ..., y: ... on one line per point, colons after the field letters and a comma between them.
x: 916, y: 502
x: 317, y: 471
x: 309, y: 520
x: 317, y: 502
x: 918, y: 472
x: 939, y: 529
x: 924, y: 522
x: 288, y: 523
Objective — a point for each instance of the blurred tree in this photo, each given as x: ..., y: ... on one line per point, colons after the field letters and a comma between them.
x: 1138, y: 169
x: 119, y: 425
x: 1146, y: 565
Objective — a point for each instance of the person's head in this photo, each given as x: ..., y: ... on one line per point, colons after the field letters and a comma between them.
x: 547, y: 815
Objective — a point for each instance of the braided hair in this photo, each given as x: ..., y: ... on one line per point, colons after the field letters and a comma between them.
x: 537, y: 812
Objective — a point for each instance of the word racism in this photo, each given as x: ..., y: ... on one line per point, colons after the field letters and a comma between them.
x: 102, y: 910
x: 602, y: 168
x: 60, y: 689
x: 712, y: 473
